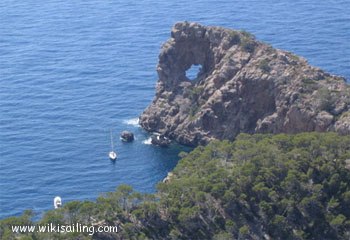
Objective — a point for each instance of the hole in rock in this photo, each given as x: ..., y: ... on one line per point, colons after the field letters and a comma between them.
x: 193, y: 72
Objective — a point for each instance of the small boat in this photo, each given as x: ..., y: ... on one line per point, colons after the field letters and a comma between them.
x: 112, y: 155
x: 57, y: 202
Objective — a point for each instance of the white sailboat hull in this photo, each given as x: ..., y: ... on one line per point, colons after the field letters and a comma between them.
x: 57, y: 202
x: 112, y: 155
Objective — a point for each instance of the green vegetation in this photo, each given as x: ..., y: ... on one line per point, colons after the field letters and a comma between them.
x: 248, y: 45
x: 295, y: 58
x: 327, y: 99
x: 284, y: 186
x: 264, y: 65
x: 248, y: 41
x: 193, y: 111
x: 309, y: 85
x: 246, y: 34
x: 194, y: 92
x: 235, y: 38
x: 308, y: 81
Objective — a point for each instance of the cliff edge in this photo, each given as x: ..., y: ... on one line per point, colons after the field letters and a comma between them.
x: 243, y: 86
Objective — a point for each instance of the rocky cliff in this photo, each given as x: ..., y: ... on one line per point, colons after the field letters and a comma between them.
x: 243, y: 86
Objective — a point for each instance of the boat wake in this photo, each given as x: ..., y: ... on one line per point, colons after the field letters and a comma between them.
x: 134, y: 122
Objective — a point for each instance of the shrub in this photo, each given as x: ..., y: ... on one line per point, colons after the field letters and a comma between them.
x: 247, y: 41
x: 264, y: 65
x: 248, y: 45
x: 235, y: 38
x: 326, y: 100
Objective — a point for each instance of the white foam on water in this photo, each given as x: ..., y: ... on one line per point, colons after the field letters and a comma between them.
x: 148, y: 141
x: 133, y: 122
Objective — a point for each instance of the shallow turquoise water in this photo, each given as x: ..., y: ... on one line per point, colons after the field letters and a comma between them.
x: 71, y: 70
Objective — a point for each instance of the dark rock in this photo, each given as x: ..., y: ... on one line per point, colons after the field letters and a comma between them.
x: 127, y: 136
x: 160, y: 140
x: 243, y: 86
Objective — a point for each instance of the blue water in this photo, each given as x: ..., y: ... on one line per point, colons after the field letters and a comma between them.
x: 71, y: 70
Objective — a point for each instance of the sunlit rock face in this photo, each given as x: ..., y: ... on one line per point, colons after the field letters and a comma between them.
x: 243, y: 85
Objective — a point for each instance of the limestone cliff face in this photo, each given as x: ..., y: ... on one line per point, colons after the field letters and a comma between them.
x: 243, y: 86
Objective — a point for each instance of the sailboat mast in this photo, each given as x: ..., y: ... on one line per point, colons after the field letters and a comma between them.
x: 112, y: 141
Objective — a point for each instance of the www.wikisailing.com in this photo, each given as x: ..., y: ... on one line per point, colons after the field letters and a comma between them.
x: 51, y: 228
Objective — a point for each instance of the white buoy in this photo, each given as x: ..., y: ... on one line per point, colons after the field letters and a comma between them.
x: 57, y: 202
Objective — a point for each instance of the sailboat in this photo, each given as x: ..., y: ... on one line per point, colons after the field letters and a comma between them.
x: 112, y: 155
x: 57, y: 202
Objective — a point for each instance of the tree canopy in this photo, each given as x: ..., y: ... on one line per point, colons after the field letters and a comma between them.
x: 256, y: 187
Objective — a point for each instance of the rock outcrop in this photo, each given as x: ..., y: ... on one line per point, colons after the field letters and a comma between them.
x: 127, y: 136
x: 243, y: 86
x: 160, y: 140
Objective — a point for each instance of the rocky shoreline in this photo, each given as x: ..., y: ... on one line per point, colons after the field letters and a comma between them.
x: 243, y: 86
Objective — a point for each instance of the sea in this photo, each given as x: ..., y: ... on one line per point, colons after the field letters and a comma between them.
x: 72, y: 71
